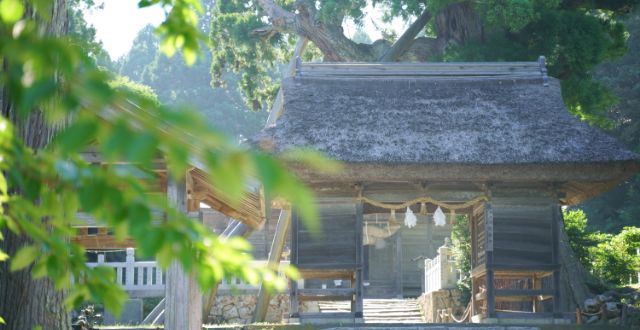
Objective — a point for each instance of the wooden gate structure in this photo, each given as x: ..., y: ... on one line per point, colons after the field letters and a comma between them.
x: 489, y: 140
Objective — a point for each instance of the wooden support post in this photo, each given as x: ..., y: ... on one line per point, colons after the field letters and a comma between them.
x: 275, y: 255
x: 491, y: 297
x: 293, y: 285
x: 555, y: 236
x: 183, y: 309
x: 398, y: 266
x: 537, y: 285
x: 473, y: 220
x: 358, y: 305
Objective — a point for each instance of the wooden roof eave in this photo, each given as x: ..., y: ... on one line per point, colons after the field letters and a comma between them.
x: 249, y: 210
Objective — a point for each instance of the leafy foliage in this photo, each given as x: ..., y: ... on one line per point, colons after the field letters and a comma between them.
x: 42, y: 190
x: 610, y: 257
x: 573, y: 42
x: 125, y: 85
x: 461, y: 239
x: 236, y: 49
x: 620, y: 207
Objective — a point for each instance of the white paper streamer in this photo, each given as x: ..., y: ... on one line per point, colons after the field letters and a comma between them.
x: 410, y: 219
x: 439, y: 217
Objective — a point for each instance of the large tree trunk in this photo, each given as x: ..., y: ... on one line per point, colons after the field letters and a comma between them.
x: 456, y: 24
x: 24, y: 302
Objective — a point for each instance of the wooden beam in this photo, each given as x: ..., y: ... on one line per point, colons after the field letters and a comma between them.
x: 326, y: 294
x: 555, y: 236
x: 358, y: 304
x: 491, y: 298
x: 293, y: 284
x: 275, y: 254
x: 278, y: 105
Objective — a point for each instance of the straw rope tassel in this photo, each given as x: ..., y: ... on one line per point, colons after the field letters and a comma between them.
x: 392, y: 217
x: 423, y: 209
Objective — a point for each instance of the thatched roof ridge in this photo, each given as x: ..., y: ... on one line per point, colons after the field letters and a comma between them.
x: 437, y: 120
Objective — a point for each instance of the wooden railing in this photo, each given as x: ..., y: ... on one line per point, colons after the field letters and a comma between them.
x: 139, y: 278
x: 146, y: 279
x: 440, y: 272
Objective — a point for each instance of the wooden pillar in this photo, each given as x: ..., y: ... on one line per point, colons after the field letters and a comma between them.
x: 537, y: 285
x: 555, y: 236
x: 491, y: 297
x: 183, y: 309
x: 398, y: 266
x: 358, y: 304
x: 274, y: 261
x: 293, y: 285
x: 473, y: 223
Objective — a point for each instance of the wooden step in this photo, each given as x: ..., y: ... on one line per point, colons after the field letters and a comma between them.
x: 400, y: 311
x: 326, y: 294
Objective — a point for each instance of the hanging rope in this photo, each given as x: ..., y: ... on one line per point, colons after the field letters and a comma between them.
x: 466, y: 314
x: 448, y: 206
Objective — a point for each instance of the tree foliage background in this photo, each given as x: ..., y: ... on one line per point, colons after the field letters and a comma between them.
x: 179, y: 84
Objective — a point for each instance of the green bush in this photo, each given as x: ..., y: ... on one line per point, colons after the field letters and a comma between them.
x: 610, y: 257
x: 461, y: 239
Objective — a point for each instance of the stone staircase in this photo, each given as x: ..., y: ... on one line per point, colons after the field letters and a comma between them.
x: 380, y: 310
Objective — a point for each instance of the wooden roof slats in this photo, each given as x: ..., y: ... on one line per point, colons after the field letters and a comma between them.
x: 431, y: 69
x: 250, y: 209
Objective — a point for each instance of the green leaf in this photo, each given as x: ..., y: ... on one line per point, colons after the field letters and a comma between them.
x: 36, y: 94
x: 11, y: 10
x: 2, y: 320
x: 91, y: 194
x: 142, y: 149
x: 190, y: 55
x: 139, y: 220
x: 24, y: 257
x: 3, y: 191
x: 3, y: 256
x: 77, y: 136
x: 228, y: 173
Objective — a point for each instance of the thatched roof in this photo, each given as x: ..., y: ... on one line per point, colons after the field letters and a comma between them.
x: 436, y: 120
x: 447, y: 122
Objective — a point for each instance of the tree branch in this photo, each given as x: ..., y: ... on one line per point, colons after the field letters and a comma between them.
x: 405, y: 41
x: 279, y: 17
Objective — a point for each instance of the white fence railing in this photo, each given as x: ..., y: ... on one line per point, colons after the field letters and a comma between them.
x: 440, y: 272
x: 146, y: 279
x: 139, y: 278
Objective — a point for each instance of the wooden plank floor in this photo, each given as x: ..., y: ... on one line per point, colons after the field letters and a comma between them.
x: 380, y: 310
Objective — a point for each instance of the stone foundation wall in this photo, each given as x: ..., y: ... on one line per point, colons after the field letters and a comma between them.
x: 239, y: 309
x: 431, y: 302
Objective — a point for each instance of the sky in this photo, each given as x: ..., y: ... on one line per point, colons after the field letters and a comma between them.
x: 119, y: 21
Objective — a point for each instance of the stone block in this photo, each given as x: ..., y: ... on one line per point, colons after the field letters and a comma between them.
x: 131, y: 314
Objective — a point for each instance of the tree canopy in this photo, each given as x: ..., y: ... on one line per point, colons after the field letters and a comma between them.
x: 250, y: 38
